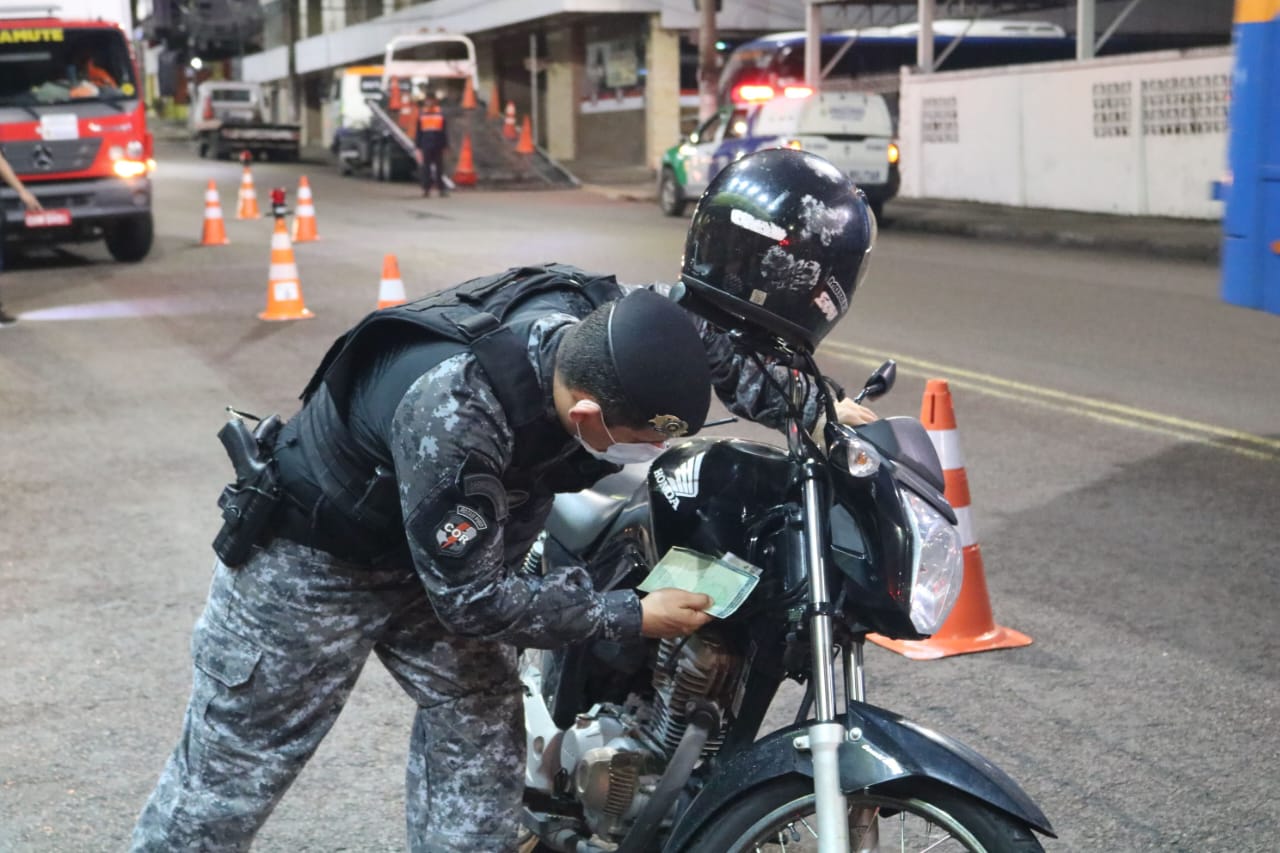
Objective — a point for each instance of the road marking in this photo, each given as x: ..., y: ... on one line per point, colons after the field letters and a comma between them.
x: 1115, y: 414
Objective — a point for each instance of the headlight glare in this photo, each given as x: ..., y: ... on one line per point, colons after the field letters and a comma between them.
x: 129, y: 168
x: 937, y: 564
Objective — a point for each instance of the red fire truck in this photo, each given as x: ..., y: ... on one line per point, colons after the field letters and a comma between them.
x: 73, y: 126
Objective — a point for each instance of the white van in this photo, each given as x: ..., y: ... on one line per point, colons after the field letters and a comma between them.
x: 854, y: 130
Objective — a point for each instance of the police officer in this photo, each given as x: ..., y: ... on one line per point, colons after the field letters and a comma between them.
x: 432, y: 141
x: 416, y: 475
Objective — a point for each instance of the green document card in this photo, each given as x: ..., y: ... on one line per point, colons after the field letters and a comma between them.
x: 728, y: 579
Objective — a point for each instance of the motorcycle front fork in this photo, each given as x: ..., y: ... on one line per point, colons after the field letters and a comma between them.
x: 823, y: 744
x: 866, y: 827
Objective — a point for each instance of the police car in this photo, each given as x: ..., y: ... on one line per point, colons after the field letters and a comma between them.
x: 853, y: 130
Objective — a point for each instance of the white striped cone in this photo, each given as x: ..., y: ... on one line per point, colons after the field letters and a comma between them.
x: 247, y: 204
x: 391, y: 286
x: 284, y: 291
x: 304, y: 218
x: 215, y: 231
x: 970, y: 627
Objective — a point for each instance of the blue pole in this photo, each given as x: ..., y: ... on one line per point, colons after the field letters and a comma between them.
x: 1251, y: 220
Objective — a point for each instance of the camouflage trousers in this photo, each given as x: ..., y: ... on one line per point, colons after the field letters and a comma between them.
x: 277, y: 651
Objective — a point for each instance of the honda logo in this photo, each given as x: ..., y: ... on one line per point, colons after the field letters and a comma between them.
x: 42, y: 158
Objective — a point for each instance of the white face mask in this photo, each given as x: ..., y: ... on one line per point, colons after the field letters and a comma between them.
x: 621, y: 453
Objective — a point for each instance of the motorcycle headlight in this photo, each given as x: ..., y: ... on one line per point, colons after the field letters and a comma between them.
x: 937, y: 564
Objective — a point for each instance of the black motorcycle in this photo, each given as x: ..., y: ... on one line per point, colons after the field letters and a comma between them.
x: 656, y: 745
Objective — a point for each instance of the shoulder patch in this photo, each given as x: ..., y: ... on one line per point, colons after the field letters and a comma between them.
x: 458, y: 530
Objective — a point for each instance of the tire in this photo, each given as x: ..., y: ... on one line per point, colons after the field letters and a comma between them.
x: 398, y: 167
x: 129, y: 240
x: 928, y: 814
x: 670, y: 196
x: 379, y: 161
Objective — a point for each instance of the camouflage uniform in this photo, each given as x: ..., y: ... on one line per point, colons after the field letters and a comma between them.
x: 284, y: 637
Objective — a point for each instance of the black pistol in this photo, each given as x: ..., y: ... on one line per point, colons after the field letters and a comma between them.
x: 248, y: 503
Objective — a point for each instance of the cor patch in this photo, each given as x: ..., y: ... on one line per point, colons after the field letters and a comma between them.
x: 458, y: 531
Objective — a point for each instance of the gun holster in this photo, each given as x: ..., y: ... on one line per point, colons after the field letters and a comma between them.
x: 249, y: 503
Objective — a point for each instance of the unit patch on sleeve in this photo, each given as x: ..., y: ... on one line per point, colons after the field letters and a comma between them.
x: 458, y: 530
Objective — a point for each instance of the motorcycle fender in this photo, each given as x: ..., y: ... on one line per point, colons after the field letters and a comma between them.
x: 884, y: 748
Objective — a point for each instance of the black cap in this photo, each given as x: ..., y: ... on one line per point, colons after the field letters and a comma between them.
x: 661, y: 362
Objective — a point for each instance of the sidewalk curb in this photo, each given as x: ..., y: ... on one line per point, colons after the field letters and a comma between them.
x: 952, y: 219
x: 620, y: 193
x: 1065, y: 237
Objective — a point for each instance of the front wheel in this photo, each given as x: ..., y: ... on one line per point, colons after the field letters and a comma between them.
x: 779, y: 816
x: 129, y: 239
x: 670, y: 196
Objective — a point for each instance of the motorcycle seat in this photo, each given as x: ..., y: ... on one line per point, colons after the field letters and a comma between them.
x: 578, y: 519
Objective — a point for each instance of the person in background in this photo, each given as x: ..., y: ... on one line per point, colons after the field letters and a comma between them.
x: 30, y: 202
x: 433, y: 142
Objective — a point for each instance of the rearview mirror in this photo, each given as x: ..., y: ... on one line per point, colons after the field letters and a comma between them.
x: 879, y: 383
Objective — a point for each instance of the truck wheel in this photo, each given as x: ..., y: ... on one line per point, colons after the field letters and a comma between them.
x: 399, y: 166
x: 129, y: 239
x: 202, y: 149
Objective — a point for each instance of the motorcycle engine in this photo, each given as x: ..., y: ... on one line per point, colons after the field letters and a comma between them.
x: 615, y: 757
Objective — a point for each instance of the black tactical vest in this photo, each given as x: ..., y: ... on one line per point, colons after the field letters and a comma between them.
x: 343, y: 484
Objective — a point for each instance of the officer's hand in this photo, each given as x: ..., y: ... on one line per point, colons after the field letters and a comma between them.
x: 853, y: 414
x: 673, y: 613
x: 29, y: 201
x: 417, y: 155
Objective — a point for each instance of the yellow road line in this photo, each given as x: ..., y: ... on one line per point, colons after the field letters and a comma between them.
x: 1098, y: 410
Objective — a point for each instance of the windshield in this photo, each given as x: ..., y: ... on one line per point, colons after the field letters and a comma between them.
x: 57, y: 65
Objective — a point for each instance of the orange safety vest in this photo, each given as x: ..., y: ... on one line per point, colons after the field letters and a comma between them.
x: 431, y: 122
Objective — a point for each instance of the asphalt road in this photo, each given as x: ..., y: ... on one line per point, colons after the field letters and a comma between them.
x: 1121, y: 432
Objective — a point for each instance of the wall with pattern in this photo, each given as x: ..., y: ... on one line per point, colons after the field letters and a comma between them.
x: 1142, y: 134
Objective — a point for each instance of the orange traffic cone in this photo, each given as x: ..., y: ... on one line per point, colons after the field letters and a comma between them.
x: 525, y: 145
x: 465, y: 173
x: 304, y: 218
x: 215, y: 230
x: 284, y: 291
x: 970, y: 627
x: 509, y: 121
x: 247, y: 207
x: 493, y: 111
x: 469, y: 96
x: 391, y: 288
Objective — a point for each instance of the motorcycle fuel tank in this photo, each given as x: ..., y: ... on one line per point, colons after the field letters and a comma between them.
x: 718, y: 495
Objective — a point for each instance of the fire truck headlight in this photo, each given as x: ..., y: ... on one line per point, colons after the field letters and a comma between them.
x: 129, y: 168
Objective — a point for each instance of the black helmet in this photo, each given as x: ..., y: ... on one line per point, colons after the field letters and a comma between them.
x: 780, y: 240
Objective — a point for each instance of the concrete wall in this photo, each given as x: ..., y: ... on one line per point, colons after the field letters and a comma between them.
x: 612, y: 125
x: 1143, y: 134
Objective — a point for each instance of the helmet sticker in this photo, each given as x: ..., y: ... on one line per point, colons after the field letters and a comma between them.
x: 759, y: 226
x: 838, y: 292
x: 826, y: 306
x: 823, y: 221
x: 789, y: 273
x: 758, y: 296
